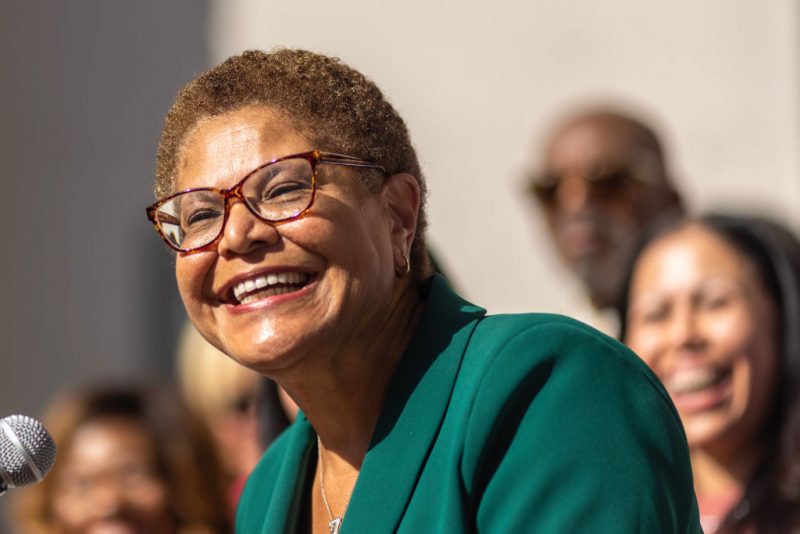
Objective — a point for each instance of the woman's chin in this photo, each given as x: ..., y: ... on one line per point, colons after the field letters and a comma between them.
x: 707, y: 429
x: 267, y: 356
x: 269, y: 341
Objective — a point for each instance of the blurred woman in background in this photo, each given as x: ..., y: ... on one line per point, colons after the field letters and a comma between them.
x: 714, y: 308
x: 244, y: 410
x: 130, y: 461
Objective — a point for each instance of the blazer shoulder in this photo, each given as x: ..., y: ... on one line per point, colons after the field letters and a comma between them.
x: 582, y: 416
x: 545, y: 363
x: 508, y: 347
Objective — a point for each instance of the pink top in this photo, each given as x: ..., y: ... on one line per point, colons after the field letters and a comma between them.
x: 714, y: 509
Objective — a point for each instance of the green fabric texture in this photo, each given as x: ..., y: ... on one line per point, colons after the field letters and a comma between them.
x: 529, y: 423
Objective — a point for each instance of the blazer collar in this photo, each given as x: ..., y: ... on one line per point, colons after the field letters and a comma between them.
x: 415, y: 406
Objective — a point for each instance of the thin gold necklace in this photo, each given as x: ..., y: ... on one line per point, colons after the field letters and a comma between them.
x: 335, y: 523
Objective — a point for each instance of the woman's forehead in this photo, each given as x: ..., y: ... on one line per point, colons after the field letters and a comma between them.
x: 690, y: 255
x: 230, y: 145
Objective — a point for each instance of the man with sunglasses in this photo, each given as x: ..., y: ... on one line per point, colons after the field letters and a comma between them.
x: 604, y: 179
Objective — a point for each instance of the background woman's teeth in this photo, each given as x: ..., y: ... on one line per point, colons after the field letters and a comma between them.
x: 261, y: 282
x: 692, y: 379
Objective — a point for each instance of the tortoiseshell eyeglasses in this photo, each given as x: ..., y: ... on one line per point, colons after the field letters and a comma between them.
x: 278, y: 191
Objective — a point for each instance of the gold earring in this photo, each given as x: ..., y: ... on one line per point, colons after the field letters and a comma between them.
x: 406, y: 268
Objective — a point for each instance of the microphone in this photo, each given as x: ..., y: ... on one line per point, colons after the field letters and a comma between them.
x: 27, y: 452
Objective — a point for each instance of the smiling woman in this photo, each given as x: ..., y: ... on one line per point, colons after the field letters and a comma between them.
x: 291, y: 193
x: 131, y: 461
x: 714, y: 308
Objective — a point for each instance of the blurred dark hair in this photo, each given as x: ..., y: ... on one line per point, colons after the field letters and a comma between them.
x: 771, y: 499
x: 190, y: 468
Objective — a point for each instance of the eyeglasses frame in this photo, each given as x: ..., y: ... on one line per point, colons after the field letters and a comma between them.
x: 230, y: 194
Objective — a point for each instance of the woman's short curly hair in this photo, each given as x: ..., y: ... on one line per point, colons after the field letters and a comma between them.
x: 331, y: 104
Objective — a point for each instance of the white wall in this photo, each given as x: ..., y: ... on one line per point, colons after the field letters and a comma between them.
x: 480, y: 82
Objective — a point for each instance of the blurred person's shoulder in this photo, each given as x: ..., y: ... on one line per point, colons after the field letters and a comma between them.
x: 547, y: 337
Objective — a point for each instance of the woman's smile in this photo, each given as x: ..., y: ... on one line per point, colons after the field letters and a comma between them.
x: 269, y: 285
x: 269, y: 289
x: 700, y: 387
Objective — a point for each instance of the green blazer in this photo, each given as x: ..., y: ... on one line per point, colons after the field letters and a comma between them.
x: 500, y: 424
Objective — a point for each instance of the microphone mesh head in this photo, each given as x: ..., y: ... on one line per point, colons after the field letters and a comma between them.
x: 27, y: 451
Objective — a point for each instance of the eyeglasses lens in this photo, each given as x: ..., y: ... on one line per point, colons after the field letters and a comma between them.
x: 275, y: 192
x: 280, y: 191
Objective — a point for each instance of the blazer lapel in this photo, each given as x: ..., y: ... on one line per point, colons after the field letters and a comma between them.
x: 416, y: 403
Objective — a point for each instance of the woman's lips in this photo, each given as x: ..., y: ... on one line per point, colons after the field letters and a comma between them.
x: 272, y: 295
x: 698, y: 389
x: 269, y: 284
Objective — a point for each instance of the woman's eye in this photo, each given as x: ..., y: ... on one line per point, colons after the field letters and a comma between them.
x: 654, y: 315
x: 201, y: 216
x: 283, y: 190
x: 716, y: 302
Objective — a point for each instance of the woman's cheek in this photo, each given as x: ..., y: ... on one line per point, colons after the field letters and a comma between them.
x: 190, y: 272
x: 731, y: 333
x: 644, y: 341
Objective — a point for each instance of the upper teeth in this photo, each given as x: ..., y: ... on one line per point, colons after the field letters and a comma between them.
x: 271, y: 279
x: 692, y: 379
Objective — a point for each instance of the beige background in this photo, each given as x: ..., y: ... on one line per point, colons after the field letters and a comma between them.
x: 480, y: 82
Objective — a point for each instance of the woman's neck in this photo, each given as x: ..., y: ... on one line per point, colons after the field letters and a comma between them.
x: 720, y: 485
x: 715, y: 475
x: 343, y: 397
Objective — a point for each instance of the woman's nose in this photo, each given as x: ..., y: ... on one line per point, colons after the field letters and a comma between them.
x: 244, y: 232
x: 686, y: 331
x: 109, y: 499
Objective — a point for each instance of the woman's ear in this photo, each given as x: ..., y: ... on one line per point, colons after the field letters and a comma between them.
x: 401, y: 193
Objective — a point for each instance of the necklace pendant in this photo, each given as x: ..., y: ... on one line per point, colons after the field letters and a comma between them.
x: 335, y: 524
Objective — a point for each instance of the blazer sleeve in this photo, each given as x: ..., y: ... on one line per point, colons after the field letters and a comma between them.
x: 569, y: 432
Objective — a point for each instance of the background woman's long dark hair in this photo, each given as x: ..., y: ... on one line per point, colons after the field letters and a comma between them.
x: 771, y: 499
